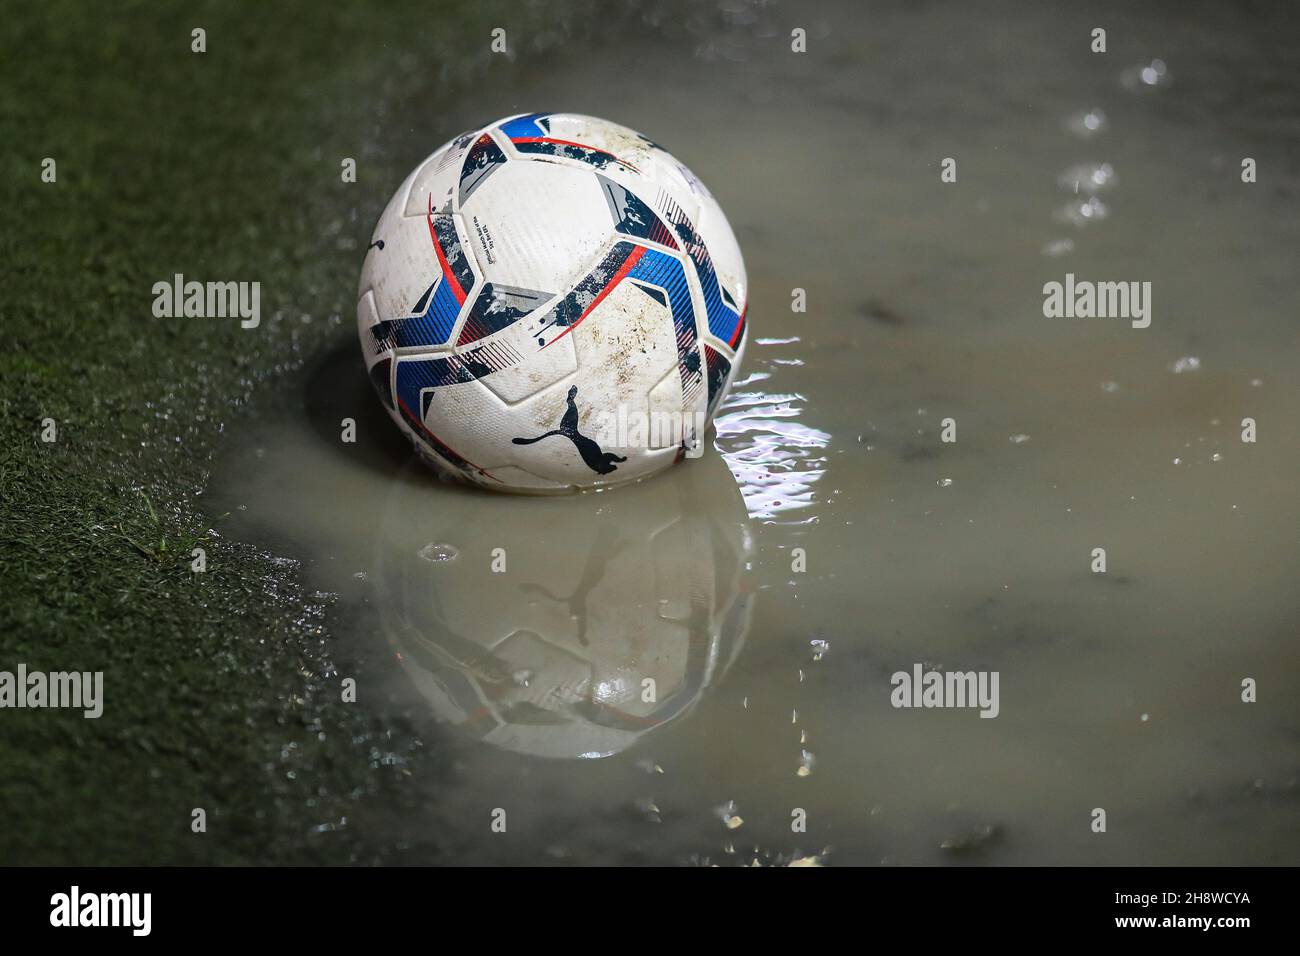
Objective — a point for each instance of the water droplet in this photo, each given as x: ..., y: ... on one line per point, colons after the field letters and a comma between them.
x: 647, y: 808
x: 438, y: 553
x: 1058, y: 247
x: 1088, y: 124
x: 1146, y: 76
x: 1081, y: 212
x: 1188, y: 363
x: 1019, y: 439
x: 819, y: 647
x: 977, y: 839
x: 1110, y: 386
x: 806, y: 762
x: 944, y: 482
x: 1087, y: 179
x: 728, y: 815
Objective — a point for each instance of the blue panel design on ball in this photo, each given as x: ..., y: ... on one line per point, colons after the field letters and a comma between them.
x: 433, y: 326
x: 665, y: 271
x: 531, y: 125
x: 725, y: 322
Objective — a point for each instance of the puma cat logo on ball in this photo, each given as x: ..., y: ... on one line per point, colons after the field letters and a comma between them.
x: 598, y: 461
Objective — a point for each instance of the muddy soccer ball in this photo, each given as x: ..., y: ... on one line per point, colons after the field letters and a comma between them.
x: 551, y: 303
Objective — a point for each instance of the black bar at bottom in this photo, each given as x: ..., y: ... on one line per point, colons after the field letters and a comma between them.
x: 438, y: 905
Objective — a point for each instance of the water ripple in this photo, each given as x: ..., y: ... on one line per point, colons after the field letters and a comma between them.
x: 775, y: 457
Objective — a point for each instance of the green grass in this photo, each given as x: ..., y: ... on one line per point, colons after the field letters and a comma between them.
x: 219, y: 687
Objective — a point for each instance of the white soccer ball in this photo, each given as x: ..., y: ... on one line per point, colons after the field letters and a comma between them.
x: 552, y: 303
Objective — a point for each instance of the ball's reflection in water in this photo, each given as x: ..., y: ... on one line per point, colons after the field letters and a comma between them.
x: 567, y: 627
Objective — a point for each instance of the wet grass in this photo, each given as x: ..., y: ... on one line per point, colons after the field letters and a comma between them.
x: 219, y: 688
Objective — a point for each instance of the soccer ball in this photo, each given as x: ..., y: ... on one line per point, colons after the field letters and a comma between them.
x: 552, y: 303
x: 567, y: 647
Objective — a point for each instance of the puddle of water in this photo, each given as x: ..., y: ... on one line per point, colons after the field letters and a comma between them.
x: 771, y: 686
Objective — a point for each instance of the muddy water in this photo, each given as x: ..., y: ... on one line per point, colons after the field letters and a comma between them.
x: 515, y: 635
